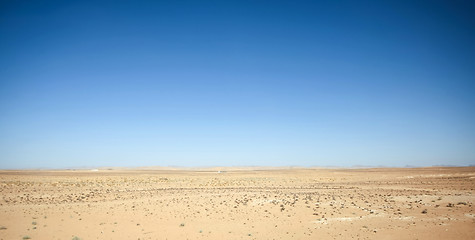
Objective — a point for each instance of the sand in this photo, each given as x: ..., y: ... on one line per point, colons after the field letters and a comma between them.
x: 247, y: 203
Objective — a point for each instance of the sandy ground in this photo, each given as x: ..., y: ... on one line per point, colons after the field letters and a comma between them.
x: 419, y: 203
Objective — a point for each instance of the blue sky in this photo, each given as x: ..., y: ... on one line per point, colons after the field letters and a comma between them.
x: 232, y: 83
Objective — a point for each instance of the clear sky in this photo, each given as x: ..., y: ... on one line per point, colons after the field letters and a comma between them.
x: 233, y: 83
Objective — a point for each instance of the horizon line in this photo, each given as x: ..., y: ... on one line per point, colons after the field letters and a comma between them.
x: 173, y: 167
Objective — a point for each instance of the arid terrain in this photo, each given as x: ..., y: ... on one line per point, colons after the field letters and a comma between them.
x: 230, y: 203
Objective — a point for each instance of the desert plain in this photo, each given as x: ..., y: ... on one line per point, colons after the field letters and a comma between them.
x: 238, y: 203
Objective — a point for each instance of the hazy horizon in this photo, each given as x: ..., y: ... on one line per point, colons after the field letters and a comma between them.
x: 222, y: 167
x: 236, y: 83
